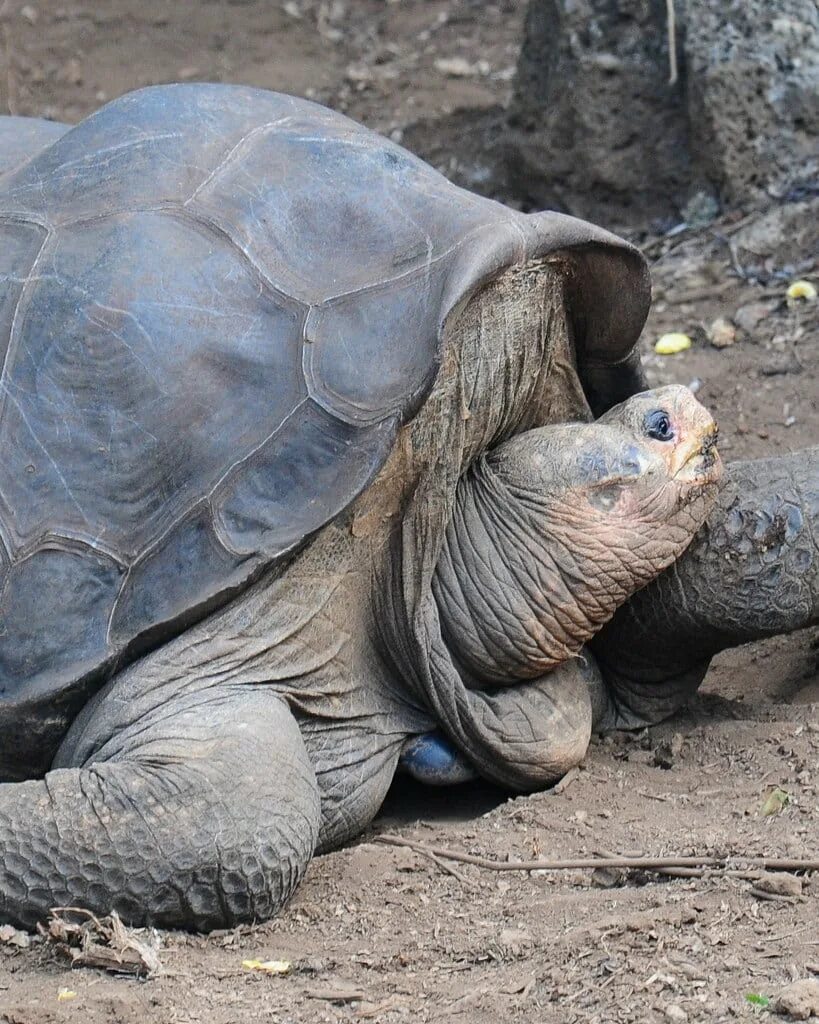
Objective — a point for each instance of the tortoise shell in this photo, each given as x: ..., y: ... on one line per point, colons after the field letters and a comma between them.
x: 218, y: 306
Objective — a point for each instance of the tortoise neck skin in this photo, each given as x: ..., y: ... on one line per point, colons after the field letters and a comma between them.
x: 557, y: 527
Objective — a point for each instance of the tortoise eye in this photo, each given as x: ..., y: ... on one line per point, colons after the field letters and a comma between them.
x: 658, y: 426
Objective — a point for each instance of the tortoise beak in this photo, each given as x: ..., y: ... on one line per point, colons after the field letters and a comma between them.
x: 693, y: 457
x: 698, y: 460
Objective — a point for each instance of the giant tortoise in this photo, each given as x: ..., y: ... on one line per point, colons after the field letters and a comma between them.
x: 299, y: 464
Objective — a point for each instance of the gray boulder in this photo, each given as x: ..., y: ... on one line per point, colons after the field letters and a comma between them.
x: 598, y: 127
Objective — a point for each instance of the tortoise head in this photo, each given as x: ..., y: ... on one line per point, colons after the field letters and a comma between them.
x: 558, y: 526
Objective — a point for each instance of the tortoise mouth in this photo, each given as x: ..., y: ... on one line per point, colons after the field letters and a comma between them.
x: 703, y: 464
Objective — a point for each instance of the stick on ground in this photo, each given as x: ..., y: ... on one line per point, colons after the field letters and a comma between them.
x: 717, y: 864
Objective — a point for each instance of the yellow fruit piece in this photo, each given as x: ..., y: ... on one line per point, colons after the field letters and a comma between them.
x: 671, y: 344
x: 65, y: 994
x: 802, y: 290
x: 268, y: 966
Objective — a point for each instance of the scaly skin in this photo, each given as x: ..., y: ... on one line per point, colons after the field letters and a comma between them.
x: 550, y: 533
x: 192, y: 791
x: 178, y: 819
x: 751, y: 572
x: 555, y: 529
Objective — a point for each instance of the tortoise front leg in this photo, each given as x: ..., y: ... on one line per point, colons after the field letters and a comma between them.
x: 751, y: 572
x: 199, y: 813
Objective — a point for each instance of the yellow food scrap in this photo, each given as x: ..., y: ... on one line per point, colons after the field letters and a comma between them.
x: 66, y: 994
x: 268, y: 966
x: 802, y: 290
x: 775, y: 801
x: 671, y: 344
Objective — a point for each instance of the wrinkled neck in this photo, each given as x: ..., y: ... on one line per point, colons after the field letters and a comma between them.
x: 513, y: 597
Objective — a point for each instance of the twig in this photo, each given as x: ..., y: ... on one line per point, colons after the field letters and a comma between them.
x: 336, y: 995
x: 566, y: 781
x: 672, y: 42
x: 694, y: 872
x: 739, y: 270
x: 695, y: 235
x: 784, y: 935
x: 81, y: 912
x: 761, y: 894
x: 714, y: 291
x: 731, y: 229
x: 644, y: 863
x: 447, y: 868
x: 749, y: 876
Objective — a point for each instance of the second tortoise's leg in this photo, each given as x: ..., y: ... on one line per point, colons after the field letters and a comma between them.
x: 199, y: 810
x: 751, y: 572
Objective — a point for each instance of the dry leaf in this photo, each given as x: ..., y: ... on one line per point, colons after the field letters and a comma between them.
x: 774, y: 802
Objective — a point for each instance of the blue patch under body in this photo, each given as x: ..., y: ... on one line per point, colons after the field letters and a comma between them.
x: 433, y: 760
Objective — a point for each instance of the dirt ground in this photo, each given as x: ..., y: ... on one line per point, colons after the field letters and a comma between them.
x: 384, y: 933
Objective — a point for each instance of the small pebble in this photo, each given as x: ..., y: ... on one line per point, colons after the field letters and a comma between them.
x: 780, y: 883
x: 456, y: 67
x: 800, y: 1000
x: 722, y: 333
x: 749, y: 316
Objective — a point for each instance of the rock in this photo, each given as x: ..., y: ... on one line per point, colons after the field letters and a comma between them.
x: 667, y: 752
x: 514, y: 939
x: 593, y: 112
x: 608, y: 878
x: 71, y: 72
x: 700, y: 210
x: 12, y: 936
x: 799, y: 1000
x: 598, y: 128
x: 780, y: 364
x: 457, y: 67
x: 675, y: 1012
x: 780, y: 883
x: 784, y: 233
x: 753, y: 93
x: 359, y: 74
x: 749, y: 316
x: 722, y: 333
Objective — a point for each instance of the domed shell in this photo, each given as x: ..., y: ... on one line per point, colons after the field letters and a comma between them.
x: 218, y: 306
x: 22, y: 137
